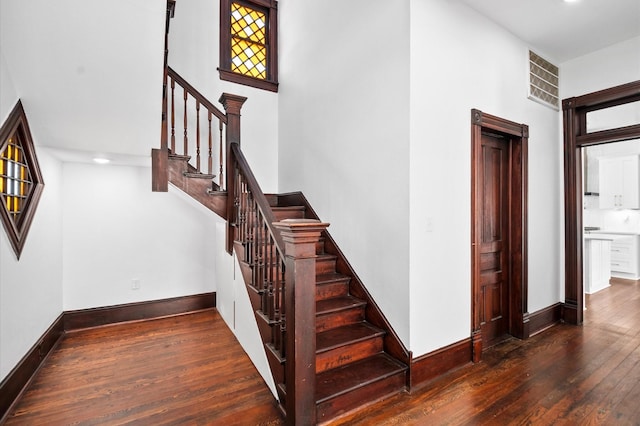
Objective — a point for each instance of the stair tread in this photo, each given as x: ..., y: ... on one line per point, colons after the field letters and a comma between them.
x: 331, y: 277
x: 198, y: 175
x: 341, y: 336
x: 339, y: 303
x: 338, y: 381
x: 292, y: 208
x: 179, y: 157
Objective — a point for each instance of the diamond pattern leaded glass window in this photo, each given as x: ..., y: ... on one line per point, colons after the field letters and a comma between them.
x: 21, y: 183
x: 15, y: 178
x: 248, y: 43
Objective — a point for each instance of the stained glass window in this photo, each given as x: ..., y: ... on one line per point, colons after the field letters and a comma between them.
x: 15, y: 179
x: 20, y: 179
x: 248, y: 42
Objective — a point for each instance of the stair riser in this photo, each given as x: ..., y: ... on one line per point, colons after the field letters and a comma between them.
x: 336, y: 319
x: 282, y: 214
x: 325, y: 265
x: 327, y: 291
x: 348, y: 353
x: 369, y: 393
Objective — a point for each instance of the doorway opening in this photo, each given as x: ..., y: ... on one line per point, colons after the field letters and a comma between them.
x: 498, y: 230
x: 578, y: 135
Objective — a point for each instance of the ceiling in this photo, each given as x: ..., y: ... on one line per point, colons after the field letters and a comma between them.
x: 560, y: 30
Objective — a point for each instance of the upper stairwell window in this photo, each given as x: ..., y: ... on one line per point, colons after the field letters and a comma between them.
x: 248, y: 43
x: 20, y: 179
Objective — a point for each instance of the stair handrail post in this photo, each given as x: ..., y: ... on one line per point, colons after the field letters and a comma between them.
x: 232, y: 105
x: 160, y: 157
x: 300, y: 237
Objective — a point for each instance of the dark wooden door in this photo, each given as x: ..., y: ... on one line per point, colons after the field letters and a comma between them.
x: 494, y: 238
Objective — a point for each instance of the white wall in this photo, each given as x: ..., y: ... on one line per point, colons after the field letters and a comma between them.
x: 194, y: 48
x: 116, y: 230
x: 90, y: 73
x: 459, y: 61
x: 344, y: 141
x: 30, y: 289
x: 233, y: 304
x: 612, y: 66
x: 194, y: 54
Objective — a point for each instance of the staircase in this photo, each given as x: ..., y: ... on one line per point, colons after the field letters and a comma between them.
x: 330, y: 348
x: 351, y: 365
x: 354, y: 365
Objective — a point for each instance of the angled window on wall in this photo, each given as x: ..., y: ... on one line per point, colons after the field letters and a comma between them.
x: 21, y: 182
x: 248, y: 43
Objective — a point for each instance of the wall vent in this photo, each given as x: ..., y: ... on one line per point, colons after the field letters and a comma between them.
x: 543, y: 81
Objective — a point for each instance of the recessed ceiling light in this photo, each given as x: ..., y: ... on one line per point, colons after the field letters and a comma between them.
x: 101, y: 160
x: 571, y: 1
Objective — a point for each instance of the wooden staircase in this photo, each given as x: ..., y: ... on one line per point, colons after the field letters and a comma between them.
x: 352, y: 367
x: 345, y: 353
x: 330, y: 348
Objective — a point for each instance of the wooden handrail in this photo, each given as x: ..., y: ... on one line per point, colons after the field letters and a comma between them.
x: 196, y: 95
x: 263, y: 204
x: 282, y: 258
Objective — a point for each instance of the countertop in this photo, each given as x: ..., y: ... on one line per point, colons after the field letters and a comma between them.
x: 608, y: 235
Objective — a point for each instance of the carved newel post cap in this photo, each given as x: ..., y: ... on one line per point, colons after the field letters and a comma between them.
x: 300, y: 236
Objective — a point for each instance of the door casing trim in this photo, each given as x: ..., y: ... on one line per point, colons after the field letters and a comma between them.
x: 518, y: 137
x: 576, y: 137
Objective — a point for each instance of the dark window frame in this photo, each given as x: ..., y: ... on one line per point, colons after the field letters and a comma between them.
x: 17, y: 127
x: 270, y: 8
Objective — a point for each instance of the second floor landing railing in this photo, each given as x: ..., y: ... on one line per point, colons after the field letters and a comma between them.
x: 195, y: 128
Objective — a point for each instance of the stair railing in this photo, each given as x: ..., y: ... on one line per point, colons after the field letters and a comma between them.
x: 282, y: 258
x: 196, y: 126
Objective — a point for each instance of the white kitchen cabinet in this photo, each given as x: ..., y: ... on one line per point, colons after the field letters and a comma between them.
x: 618, y: 180
x: 625, y: 257
x: 597, y: 262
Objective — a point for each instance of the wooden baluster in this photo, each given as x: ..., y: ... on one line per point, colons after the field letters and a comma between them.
x: 210, y: 159
x: 186, y: 144
x: 173, y: 116
x: 244, y: 217
x: 283, y: 308
x: 198, y: 136
x: 164, y: 137
x: 256, y: 239
x: 277, y: 332
x: 269, y: 279
x: 221, y: 175
x: 240, y: 227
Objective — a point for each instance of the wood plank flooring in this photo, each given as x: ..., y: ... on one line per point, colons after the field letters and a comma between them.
x: 183, y: 370
x: 189, y: 370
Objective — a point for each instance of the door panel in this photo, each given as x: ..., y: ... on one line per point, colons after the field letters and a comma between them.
x: 494, y: 271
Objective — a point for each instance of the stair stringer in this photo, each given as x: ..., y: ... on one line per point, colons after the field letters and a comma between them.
x: 392, y: 343
x: 199, y: 186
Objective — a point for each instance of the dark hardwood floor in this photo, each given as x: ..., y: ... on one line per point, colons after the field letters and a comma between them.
x: 189, y: 370
x: 183, y: 370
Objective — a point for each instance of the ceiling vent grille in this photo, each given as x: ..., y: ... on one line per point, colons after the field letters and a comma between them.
x: 543, y: 81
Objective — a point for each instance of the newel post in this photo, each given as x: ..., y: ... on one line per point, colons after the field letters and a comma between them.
x: 160, y: 157
x: 232, y: 105
x: 300, y: 237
